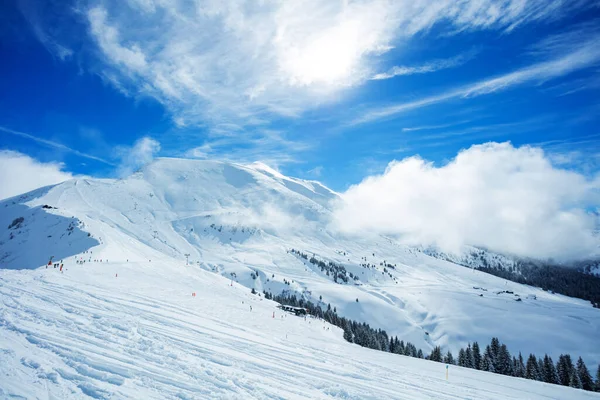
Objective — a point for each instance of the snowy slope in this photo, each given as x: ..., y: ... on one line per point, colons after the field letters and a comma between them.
x: 88, y: 334
x: 241, y: 222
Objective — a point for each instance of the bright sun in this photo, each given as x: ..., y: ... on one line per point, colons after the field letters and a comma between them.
x: 328, y: 58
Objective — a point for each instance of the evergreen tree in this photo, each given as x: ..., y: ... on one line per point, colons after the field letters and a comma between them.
x: 598, y: 379
x: 449, y: 358
x: 564, y: 367
x: 348, y: 335
x: 531, y: 369
x: 587, y: 382
x: 549, y: 372
x: 476, y: 356
x: 574, y: 379
x: 503, y: 361
x: 495, y: 346
x: 420, y: 353
x: 520, y: 367
x: 489, y: 360
x: 461, y: 358
x: 436, y: 354
x: 540, y: 362
x: 469, y: 360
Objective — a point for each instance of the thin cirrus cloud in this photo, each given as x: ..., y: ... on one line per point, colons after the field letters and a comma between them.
x: 432, y: 66
x: 223, y: 61
x: 56, y: 145
x: 508, y: 199
x: 581, y: 55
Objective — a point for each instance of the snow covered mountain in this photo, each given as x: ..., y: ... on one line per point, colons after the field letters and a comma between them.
x: 182, y: 226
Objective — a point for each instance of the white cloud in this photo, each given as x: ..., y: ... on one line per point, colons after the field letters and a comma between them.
x: 238, y: 61
x: 20, y: 173
x: 238, y: 145
x: 432, y: 66
x: 581, y: 55
x: 55, y: 145
x: 141, y: 153
x: 493, y: 195
x: 316, y: 171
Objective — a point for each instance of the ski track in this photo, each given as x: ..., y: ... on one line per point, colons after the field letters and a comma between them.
x: 81, y: 337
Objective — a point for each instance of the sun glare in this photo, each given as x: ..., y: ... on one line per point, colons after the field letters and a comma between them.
x: 328, y: 58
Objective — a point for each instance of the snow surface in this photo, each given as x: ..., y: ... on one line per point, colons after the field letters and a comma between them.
x: 142, y: 335
x: 87, y: 333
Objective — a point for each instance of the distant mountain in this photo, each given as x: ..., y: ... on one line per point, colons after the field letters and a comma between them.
x: 270, y: 233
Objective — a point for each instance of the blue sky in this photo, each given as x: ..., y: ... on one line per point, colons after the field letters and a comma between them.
x: 325, y: 90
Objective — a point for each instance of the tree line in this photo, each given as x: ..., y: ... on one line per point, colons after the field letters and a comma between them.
x: 494, y: 358
x: 567, y: 281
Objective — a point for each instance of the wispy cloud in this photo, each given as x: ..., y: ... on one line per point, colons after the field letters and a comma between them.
x: 435, y: 127
x: 582, y: 55
x: 432, y: 66
x: 316, y: 171
x: 266, y: 145
x: 245, y: 63
x: 55, y: 145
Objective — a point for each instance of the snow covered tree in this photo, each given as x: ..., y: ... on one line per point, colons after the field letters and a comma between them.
x: 564, y: 367
x: 531, y: 369
x: 503, y: 361
x: 476, y: 356
x: 540, y: 362
x: 487, y: 362
x: 469, y: 360
x: 574, y: 379
x: 461, y: 358
x: 401, y: 347
x: 436, y: 354
x: 449, y: 358
x: 420, y: 354
x: 598, y: 379
x: 520, y: 367
x: 495, y: 346
x: 549, y: 373
x: 587, y: 383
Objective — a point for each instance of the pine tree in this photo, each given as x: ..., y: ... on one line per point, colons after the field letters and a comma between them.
x: 520, y: 367
x: 420, y: 354
x: 476, y: 356
x: 587, y: 382
x: 495, y: 346
x: 540, y: 362
x: 574, y: 379
x: 469, y: 360
x: 449, y: 358
x: 488, y: 360
x: 563, y: 368
x: 461, y: 358
x: 436, y: 354
x: 531, y: 370
x: 503, y: 361
x: 549, y: 373
x: 486, y: 363
x: 598, y: 379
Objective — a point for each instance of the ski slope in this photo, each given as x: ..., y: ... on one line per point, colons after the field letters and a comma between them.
x: 87, y: 331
